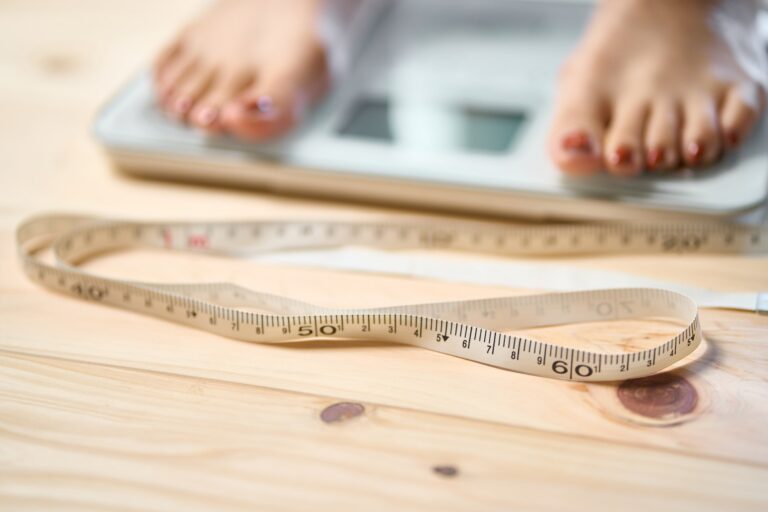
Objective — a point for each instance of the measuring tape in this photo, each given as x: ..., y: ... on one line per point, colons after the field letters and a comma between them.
x: 474, y: 329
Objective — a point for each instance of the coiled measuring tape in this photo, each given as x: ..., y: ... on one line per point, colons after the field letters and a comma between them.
x: 475, y: 329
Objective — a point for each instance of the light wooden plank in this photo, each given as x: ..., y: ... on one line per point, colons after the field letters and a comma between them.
x: 91, y: 436
x: 728, y: 376
x: 88, y: 437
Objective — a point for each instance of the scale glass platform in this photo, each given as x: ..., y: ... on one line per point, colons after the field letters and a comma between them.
x: 446, y: 106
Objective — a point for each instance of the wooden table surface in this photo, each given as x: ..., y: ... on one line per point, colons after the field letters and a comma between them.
x: 103, y: 409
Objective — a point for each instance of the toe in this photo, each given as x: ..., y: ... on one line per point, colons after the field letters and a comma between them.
x: 172, y: 77
x: 280, y: 98
x: 740, y: 110
x: 168, y: 54
x: 221, y: 89
x: 265, y: 110
x: 189, y: 91
x: 701, y: 142
x: 662, y: 132
x: 624, y: 139
x: 577, y: 133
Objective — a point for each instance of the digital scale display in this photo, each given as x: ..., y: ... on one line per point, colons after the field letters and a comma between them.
x: 448, y: 127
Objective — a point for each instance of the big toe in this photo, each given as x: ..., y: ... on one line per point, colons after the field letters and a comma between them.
x: 265, y: 111
x: 280, y: 97
x: 576, y: 134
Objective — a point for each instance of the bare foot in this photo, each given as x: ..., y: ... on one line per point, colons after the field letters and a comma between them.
x: 659, y: 83
x: 247, y: 67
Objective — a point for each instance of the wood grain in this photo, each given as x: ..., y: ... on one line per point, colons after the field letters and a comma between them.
x: 104, y: 409
x: 727, y: 374
x: 144, y: 440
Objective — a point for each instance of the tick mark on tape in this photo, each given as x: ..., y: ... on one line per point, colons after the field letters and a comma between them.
x: 432, y: 325
x: 661, y: 396
x: 341, y: 411
x: 446, y: 471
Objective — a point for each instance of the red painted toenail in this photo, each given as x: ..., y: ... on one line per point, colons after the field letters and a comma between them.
x: 577, y: 142
x: 655, y: 157
x: 695, y: 151
x: 622, y: 156
x: 733, y: 138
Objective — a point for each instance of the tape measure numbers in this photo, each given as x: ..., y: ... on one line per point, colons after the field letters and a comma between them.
x: 468, y: 329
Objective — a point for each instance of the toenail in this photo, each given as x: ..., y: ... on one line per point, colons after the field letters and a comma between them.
x: 577, y: 142
x: 263, y: 106
x: 733, y: 138
x: 621, y: 156
x: 695, y: 151
x: 183, y: 105
x: 207, y: 115
x: 655, y: 157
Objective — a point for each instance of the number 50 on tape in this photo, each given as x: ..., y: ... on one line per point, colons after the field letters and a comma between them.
x: 476, y: 330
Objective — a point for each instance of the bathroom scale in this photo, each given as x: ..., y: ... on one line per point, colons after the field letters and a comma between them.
x: 444, y: 104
